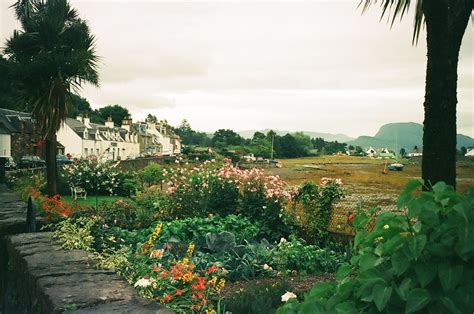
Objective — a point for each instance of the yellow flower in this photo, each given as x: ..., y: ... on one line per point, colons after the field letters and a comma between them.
x: 187, y: 277
x: 213, y: 281
x: 185, y: 261
x: 190, y: 251
x: 217, y: 289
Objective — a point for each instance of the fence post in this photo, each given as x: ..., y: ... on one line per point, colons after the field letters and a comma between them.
x: 31, y: 215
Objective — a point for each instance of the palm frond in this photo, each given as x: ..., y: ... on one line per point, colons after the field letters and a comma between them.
x: 398, y: 9
x: 54, y: 54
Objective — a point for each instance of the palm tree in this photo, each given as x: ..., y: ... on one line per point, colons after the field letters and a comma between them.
x: 52, y: 56
x: 446, y: 22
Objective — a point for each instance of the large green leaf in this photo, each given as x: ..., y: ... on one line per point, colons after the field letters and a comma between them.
x: 346, y: 308
x: 450, y: 276
x: 367, y: 261
x: 416, y: 245
x: 426, y: 272
x: 405, y: 197
x: 381, y: 295
x: 417, y: 299
x: 343, y: 271
x: 404, y: 288
x: 311, y: 307
x: 400, y: 262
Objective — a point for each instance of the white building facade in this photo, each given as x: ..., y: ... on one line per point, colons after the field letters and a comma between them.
x: 82, y: 139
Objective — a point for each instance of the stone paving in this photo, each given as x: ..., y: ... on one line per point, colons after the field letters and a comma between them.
x: 38, y: 277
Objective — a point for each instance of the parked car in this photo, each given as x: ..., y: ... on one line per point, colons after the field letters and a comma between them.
x: 9, y: 163
x: 30, y: 161
x: 62, y: 160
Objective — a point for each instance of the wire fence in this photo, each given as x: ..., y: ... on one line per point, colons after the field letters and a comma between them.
x: 349, y: 205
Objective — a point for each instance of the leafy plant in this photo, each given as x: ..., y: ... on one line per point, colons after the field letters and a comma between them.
x: 418, y: 260
x: 314, y: 205
x: 257, y: 298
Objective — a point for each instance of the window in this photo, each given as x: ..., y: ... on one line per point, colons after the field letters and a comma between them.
x: 85, y: 151
x: 97, y: 150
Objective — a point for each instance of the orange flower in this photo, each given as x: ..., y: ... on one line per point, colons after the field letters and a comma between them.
x: 168, y: 298
x: 200, y: 284
x: 179, y: 292
x: 211, y: 269
x: 164, y: 273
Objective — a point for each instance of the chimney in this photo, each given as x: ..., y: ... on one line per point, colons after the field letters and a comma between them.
x: 87, y: 121
x: 109, y: 123
x: 126, y: 123
x: 79, y: 118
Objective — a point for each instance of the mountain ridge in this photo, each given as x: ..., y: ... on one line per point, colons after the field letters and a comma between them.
x: 395, y: 135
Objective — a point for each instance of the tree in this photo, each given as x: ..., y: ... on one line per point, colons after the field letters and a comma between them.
x: 224, y: 138
x: 53, y: 54
x: 446, y: 22
x: 117, y: 112
x: 9, y: 93
x: 403, y: 152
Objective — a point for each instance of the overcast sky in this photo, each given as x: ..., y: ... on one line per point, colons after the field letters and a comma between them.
x: 288, y: 65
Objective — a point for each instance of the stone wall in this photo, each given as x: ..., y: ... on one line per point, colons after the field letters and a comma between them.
x: 36, y: 276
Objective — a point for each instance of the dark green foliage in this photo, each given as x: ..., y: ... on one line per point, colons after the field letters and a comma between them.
x: 117, y: 112
x: 191, y: 137
x: 257, y: 299
x: 296, y: 255
x: 224, y: 138
x: 419, y: 260
x: 152, y: 174
x: 128, y: 184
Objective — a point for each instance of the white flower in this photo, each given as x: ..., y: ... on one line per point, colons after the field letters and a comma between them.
x: 282, y: 240
x: 386, y: 226
x: 266, y: 267
x: 144, y: 282
x: 288, y: 295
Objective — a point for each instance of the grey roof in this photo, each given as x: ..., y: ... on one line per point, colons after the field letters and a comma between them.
x: 12, y: 121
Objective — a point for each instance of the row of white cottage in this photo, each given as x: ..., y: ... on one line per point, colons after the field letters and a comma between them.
x: 81, y: 138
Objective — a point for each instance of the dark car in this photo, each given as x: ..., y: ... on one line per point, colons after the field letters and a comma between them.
x: 62, y: 160
x: 31, y: 162
x: 9, y: 163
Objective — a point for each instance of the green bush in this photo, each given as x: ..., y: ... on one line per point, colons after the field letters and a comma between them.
x: 418, y: 260
x: 152, y: 174
x: 256, y: 299
x: 296, y: 255
x: 315, y: 203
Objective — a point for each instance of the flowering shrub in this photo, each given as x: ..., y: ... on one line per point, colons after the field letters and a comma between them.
x: 313, y: 205
x: 212, y: 188
x: 94, y: 176
x: 54, y: 208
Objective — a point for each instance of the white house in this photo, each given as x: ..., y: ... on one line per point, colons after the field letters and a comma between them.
x: 371, y: 152
x: 81, y: 138
x: 470, y: 152
x: 157, y: 139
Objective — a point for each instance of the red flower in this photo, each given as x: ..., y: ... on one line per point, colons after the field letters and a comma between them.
x: 351, y: 218
x: 179, y: 292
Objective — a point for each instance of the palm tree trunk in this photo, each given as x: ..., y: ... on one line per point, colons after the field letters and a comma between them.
x: 445, y: 26
x: 51, y: 167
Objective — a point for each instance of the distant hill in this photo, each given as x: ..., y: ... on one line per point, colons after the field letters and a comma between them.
x: 403, y: 134
x: 341, y: 138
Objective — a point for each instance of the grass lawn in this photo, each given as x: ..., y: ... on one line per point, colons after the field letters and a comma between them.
x: 90, y: 201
